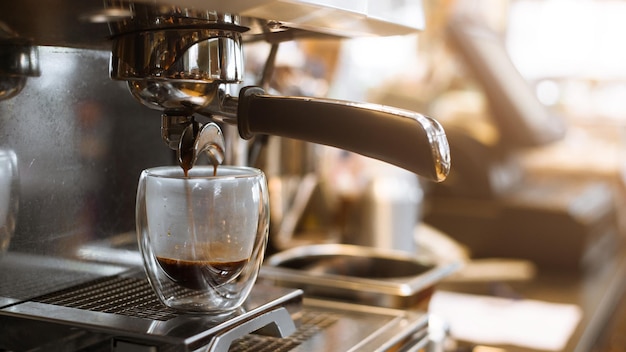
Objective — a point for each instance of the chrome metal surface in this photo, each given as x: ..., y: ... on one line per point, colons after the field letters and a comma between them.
x: 123, y: 308
x: 172, y: 127
x: 19, y: 59
x: 207, y: 139
x: 365, y: 328
x: 80, y: 142
x: 124, y: 305
x: 311, y: 322
x: 365, y: 275
x: 278, y: 318
x: 18, y: 56
x: 149, y: 16
x: 173, y: 97
x: 178, y: 54
x: 83, y: 23
x: 177, y: 69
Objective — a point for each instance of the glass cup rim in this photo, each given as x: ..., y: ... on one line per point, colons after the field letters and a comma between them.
x: 203, y: 172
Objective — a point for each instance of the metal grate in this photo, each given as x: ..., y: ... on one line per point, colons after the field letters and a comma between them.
x: 119, y: 295
x: 134, y: 297
x: 311, y: 323
x: 22, y: 280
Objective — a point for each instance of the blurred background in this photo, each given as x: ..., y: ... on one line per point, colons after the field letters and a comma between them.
x: 532, y: 96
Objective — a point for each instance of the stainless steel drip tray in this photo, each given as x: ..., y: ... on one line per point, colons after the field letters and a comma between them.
x: 124, y: 306
x: 322, y: 326
x: 356, y: 327
x: 351, y: 273
x: 115, y: 308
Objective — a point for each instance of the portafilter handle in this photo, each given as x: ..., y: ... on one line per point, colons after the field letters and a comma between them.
x: 400, y: 137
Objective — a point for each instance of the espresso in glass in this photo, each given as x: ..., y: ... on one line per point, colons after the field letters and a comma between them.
x: 202, y: 235
x: 198, y: 274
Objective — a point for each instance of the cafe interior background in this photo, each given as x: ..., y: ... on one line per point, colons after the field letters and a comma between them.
x: 532, y: 96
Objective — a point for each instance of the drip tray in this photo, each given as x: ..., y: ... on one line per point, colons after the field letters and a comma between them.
x: 120, y: 312
x: 125, y: 306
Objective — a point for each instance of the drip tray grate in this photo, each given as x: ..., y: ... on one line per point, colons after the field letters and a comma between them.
x: 118, y: 295
x: 23, y: 276
x: 125, y: 307
x: 311, y: 322
x: 134, y: 297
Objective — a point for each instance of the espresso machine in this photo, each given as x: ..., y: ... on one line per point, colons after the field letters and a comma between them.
x: 92, y: 92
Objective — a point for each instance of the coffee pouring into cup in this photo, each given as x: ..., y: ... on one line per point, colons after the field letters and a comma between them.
x: 202, y: 230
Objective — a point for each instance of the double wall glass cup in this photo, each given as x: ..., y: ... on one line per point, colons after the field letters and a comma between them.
x: 202, y: 236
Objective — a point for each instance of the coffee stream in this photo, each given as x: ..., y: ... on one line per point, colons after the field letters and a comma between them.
x: 191, y: 270
x: 187, y: 163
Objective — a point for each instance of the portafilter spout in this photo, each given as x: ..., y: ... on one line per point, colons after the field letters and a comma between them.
x: 197, y: 139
